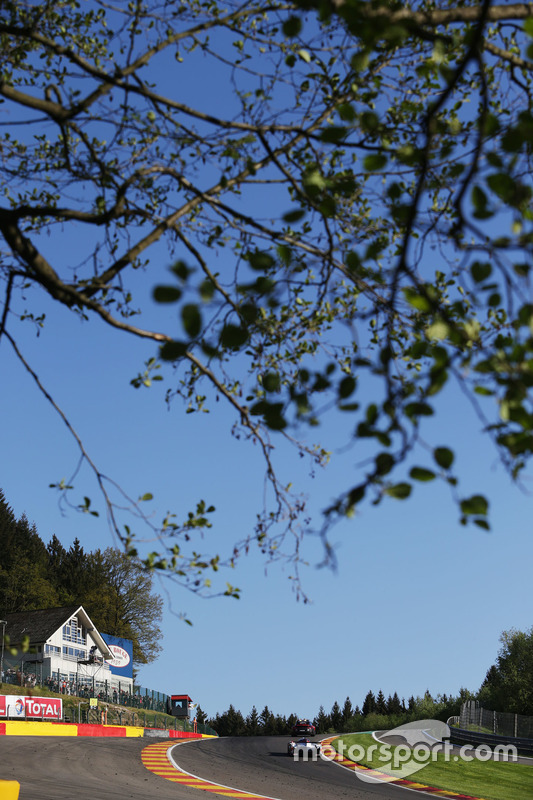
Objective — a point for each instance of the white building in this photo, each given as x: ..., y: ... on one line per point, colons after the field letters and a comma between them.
x: 64, y: 649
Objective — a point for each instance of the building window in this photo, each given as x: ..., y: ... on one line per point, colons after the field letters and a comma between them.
x: 74, y: 653
x: 73, y: 632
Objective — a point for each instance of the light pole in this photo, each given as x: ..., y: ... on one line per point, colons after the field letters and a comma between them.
x: 3, y: 623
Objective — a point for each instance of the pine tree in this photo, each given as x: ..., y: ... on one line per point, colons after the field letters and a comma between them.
x: 381, y: 704
x: 347, y: 713
x: 236, y: 723
x: 393, y: 704
x: 335, y: 717
x: 369, y: 705
x: 268, y: 722
x: 75, y: 573
x: 252, y: 722
x: 56, y: 560
x: 8, y: 526
x: 24, y: 577
x: 28, y: 542
x: 282, y: 729
x: 322, y: 722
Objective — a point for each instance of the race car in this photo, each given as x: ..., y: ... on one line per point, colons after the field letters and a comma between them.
x: 303, y: 728
x: 304, y: 747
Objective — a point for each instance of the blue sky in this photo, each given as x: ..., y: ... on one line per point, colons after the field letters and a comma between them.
x: 417, y: 601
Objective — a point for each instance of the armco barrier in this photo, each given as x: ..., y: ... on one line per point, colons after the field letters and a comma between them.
x: 23, y: 728
x: 9, y: 790
x: 460, y: 736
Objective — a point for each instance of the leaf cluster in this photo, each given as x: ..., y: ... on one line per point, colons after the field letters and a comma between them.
x: 348, y: 226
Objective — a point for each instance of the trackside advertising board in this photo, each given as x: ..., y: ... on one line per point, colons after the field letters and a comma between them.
x: 122, y: 649
x: 30, y: 707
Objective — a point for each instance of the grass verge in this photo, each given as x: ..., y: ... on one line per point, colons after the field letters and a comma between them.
x: 489, y: 780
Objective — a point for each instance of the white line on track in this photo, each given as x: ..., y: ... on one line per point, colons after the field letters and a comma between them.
x: 213, y: 783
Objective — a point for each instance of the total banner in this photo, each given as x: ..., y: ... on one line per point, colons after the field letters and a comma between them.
x: 22, y: 707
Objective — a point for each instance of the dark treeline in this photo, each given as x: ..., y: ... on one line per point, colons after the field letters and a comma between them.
x: 113, y: 589
x: 376, y: 712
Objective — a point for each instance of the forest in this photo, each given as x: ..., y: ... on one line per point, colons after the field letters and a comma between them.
x: 115, y: 591
x: 377, y: 711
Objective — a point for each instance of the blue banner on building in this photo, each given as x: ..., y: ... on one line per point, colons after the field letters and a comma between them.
x: 122, y: 649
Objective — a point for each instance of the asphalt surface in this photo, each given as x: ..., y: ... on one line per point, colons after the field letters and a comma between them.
x: 69, y: 768
x: 260, y: 764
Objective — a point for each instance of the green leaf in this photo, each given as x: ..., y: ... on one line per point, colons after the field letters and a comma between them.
x: 347, y: 387
x: 503, y: 185
x: 512, y: 140
x: 438, y: 379
x: 414, y: 410
x: 480, y: 203
x: 233, y: 336
x: 181, y: 270
x: 314, y: 181
x: 271, y: 382
x: 528, y: 26
x: 207, y: 289
x: 166, y: 294
x: 294, y: 216
x: 369, y: 121
x: 260, y: 260
x: 438, y: 330
x: 480, y: 270
x: 334, y: 134
x: 275, y: 421
x: 285, y: 253
x: 360, y: 60
x: 376, y: 162
x: 292, y: 26
x: 477, y: 504
x: 271, y: 413
x: 192, y: 319
x: 422, y: 474
x: 384, y: 463
x: 444, y: 457
x: 171, y: 351
x: 400, y: 491
x: 346, y: 112
x: 416, y: 300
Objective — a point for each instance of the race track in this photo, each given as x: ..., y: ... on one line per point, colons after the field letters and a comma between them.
x: 111, y: 769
